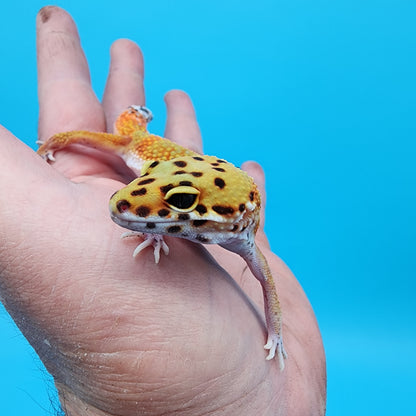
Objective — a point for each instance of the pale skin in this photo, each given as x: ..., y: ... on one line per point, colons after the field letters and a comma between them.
x: 121, y: 335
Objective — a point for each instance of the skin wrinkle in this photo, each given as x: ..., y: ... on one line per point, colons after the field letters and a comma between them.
x: 61, y: 42
x: 242, y: 403
x: 60, y: 47
x: 112, y: 320
x: 172, y: 385
x: 158, y: 400
x: 214, y: 381
x: 239, y: 287
x: 203, y: 386
x: 187, y: 408
x: 28, y: 272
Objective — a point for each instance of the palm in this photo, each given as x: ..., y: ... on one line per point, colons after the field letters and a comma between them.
x: 172, y: 318
x: 119, y: 333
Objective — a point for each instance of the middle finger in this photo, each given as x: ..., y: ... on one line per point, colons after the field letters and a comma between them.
x: 125, y: 80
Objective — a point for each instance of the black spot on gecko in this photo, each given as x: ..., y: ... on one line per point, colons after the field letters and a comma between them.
x: 202, y: 209
x: 198, y: 223
x: 142, y: 211
x: 163, y: 212
x: 215, y: 164
x: 180, y: 163
x: 183, y: 217
x: 146, y: 181
x: 174, y: 229
x: 222, y: 210
x: 251, y: 196
x: 197, y: 158
x: 202, y: 239
x: 123, y: 205
x: 150, y: 225
x: 219, y: 169
x: 221, y: 161
x: 165, y: 189
x: 185, y: 183
x: 235, y: 228
x: 197, y: 174
x: 154, y: 164
x: 136, y: 192
x: 241, y: 207
x: 179, y: 172
x: 219, y: 182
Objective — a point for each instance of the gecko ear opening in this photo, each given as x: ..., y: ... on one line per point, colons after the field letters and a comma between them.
x: 182, y: 198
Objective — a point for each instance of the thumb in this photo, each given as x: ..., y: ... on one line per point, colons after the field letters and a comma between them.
x: 29, y: 187
x: 20, y: 166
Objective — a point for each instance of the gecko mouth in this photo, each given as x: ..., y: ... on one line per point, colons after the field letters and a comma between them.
x: 175, y: 228
x: 199, y: 230
x: 156, y: 226
x: 131, y: 222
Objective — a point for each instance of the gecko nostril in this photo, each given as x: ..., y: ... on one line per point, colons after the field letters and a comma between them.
x: 123, y: 205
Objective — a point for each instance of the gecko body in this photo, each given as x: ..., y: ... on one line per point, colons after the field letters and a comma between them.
x: 184, y: 194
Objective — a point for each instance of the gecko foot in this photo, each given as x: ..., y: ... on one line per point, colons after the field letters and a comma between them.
x: 275, y: 345
x: 154, y: 240
x: 49, y: 157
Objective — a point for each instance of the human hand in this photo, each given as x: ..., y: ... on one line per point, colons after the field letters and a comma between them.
x: 122, y: 335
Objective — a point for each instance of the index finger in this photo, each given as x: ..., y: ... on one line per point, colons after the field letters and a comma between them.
x: 66, y: 99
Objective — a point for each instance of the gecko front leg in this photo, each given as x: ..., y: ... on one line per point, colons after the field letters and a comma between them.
x: 154, y: 240
x: 258, y: 265
x: 261, y: 270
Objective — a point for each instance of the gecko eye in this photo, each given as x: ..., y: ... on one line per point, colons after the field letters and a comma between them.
x: 182, y: 201
x: 182, y: 198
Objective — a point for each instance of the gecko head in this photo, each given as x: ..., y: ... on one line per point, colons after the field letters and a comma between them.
x: 200, y: 198
x: 142, y: 111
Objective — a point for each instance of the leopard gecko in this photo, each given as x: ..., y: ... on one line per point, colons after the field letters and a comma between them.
x: 184, y: 194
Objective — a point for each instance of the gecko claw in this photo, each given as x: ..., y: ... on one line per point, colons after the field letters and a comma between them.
x: 274, y: 344
x: 48, y: 156
x: 154, y: 240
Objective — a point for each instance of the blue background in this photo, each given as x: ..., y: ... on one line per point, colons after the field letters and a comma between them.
x: 330, y: 88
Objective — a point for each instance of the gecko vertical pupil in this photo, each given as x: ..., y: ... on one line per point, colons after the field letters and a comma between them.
x: 182, y: 200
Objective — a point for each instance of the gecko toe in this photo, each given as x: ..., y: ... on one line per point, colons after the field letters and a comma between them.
x: 154, y: 240
x: 275, y: 346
